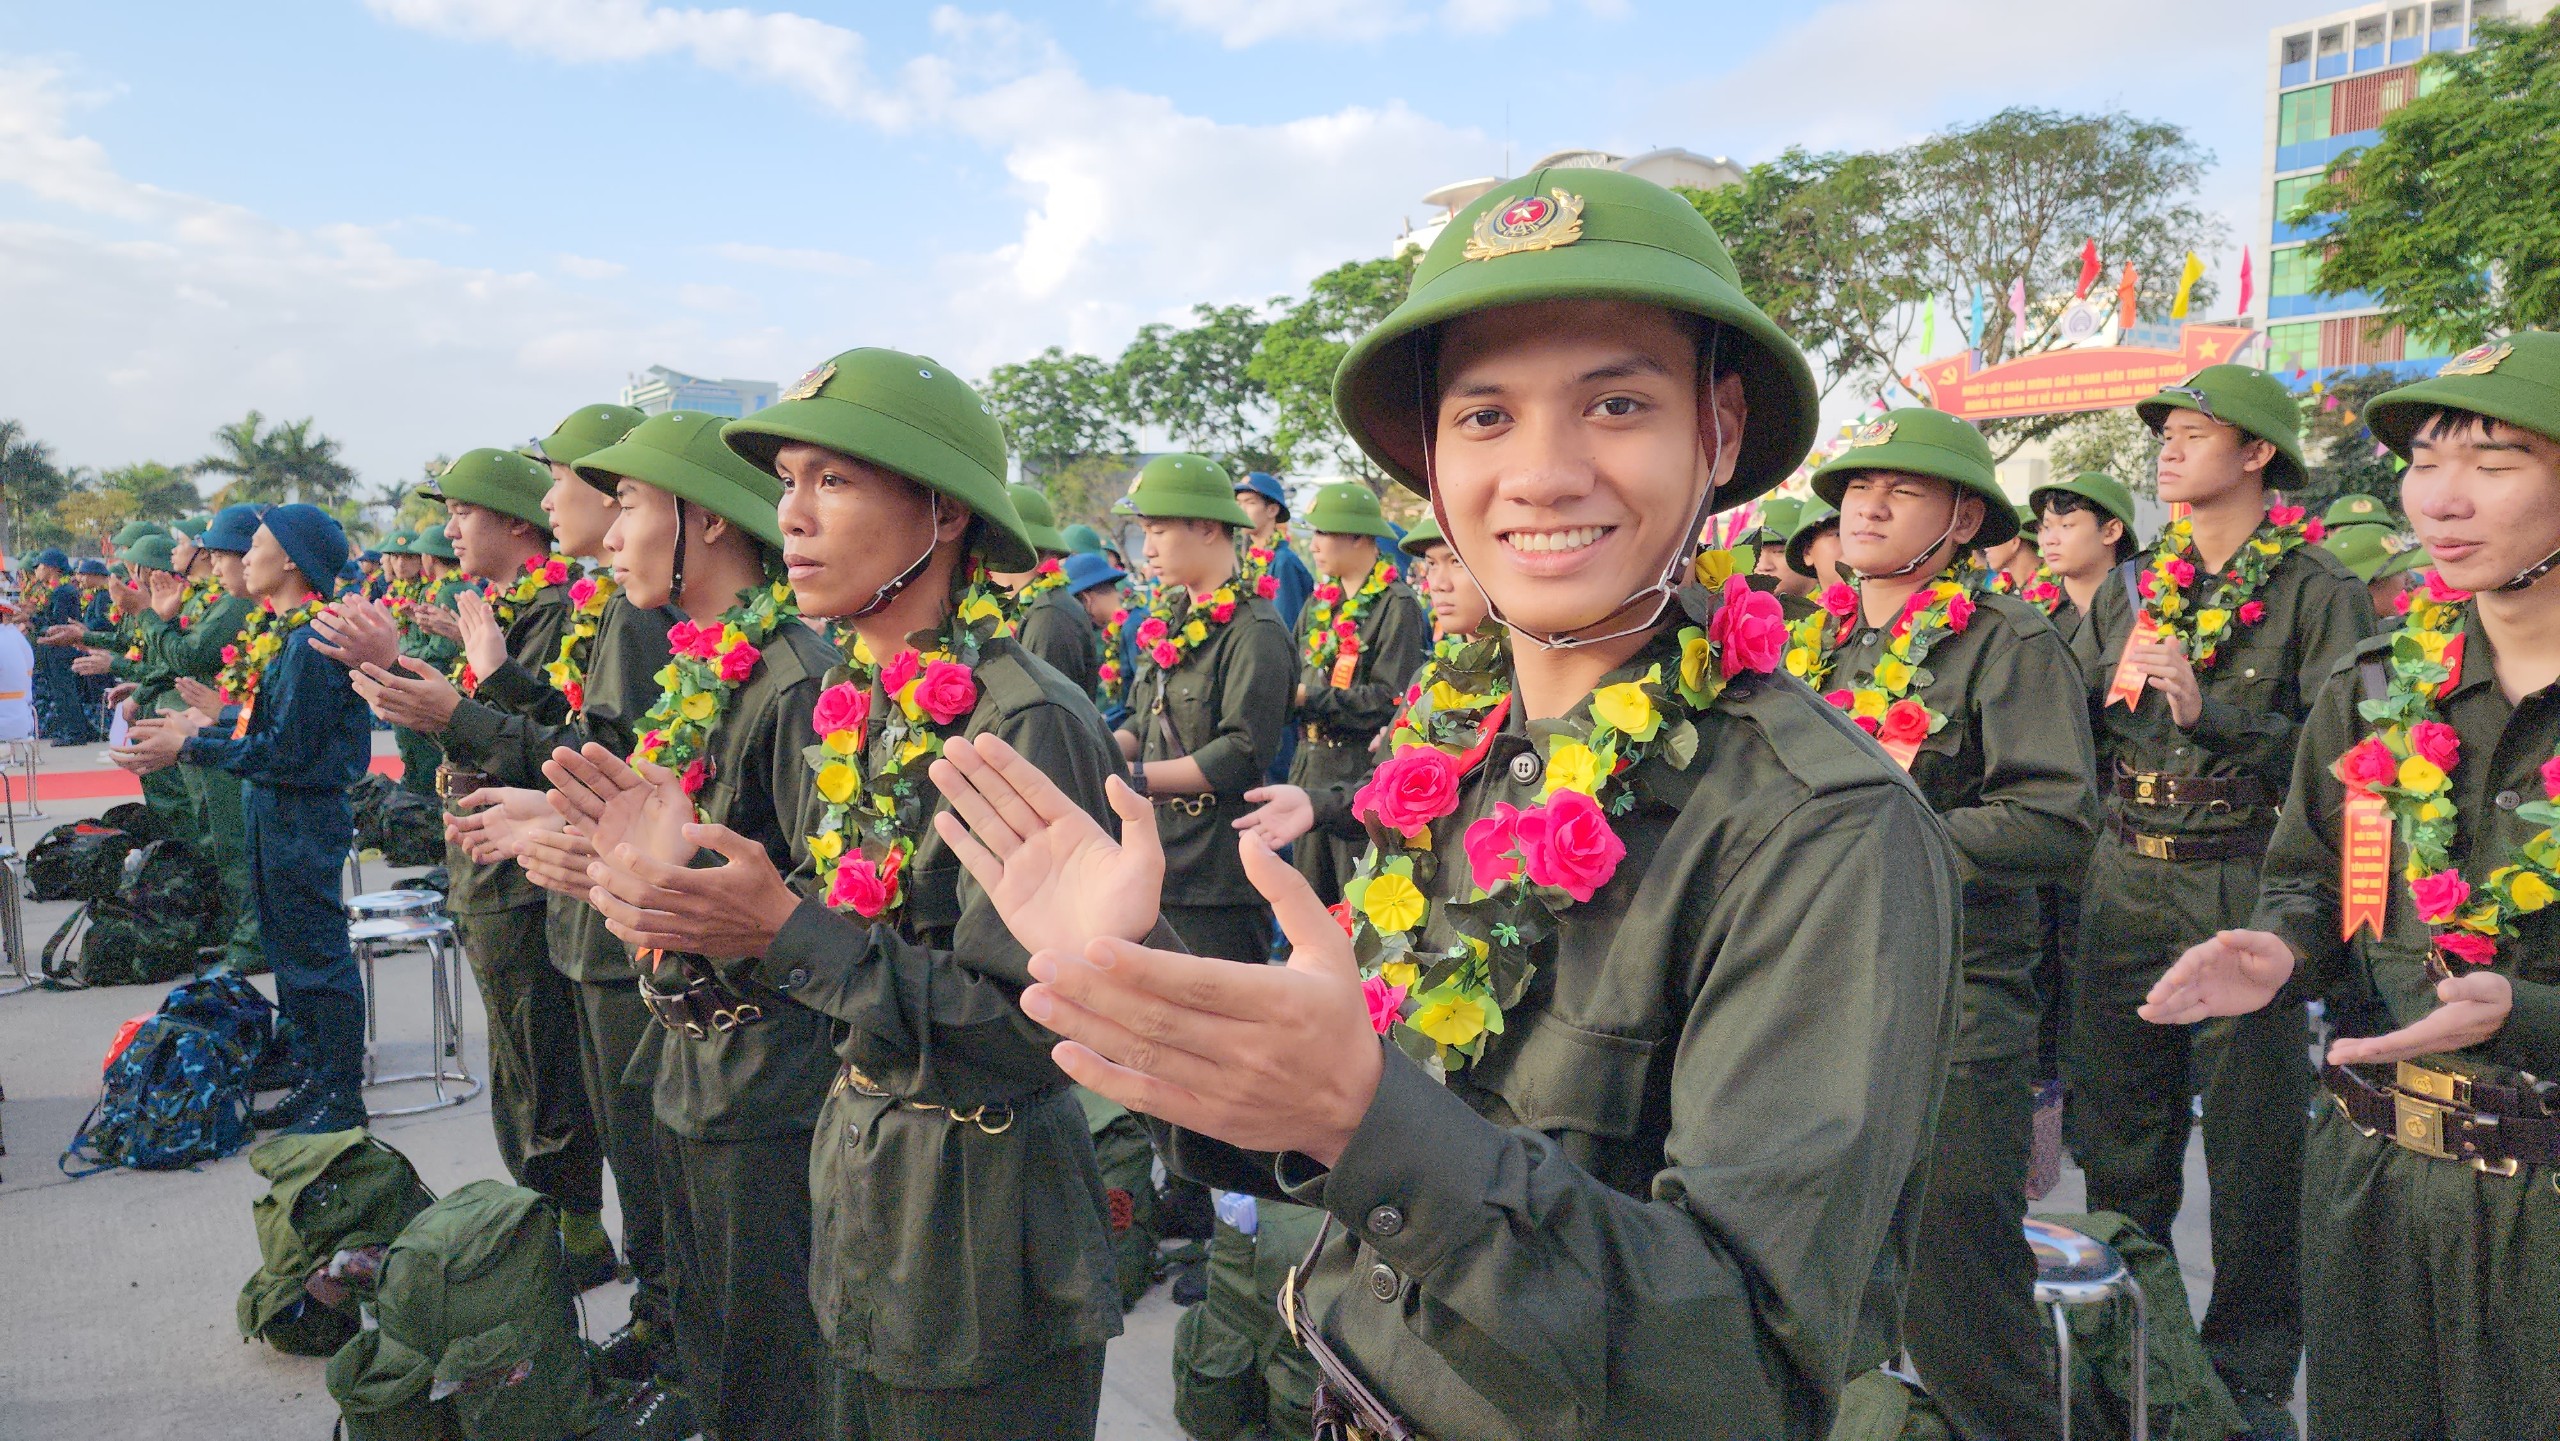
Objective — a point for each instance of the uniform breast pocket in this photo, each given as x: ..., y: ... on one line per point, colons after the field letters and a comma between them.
x: 933, y: 897
x: 1564, y: 1078
x: 2249, y: 677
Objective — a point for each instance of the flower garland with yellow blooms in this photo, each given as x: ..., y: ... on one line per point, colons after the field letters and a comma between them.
x: 2229, y: 603
x: 539, y: 571
x: 588, y: 596
x: 261, y: 640
x: 2043, y: 590
x: 1253, y: 572
x: 1883, y: 705
x: 1439, y: 974
x: 1051, y: 574
x: 1329, y: 635
x: 876, y: 811
x: 708, y: 664
x: 2408, y: 762
x: 1176, y: 625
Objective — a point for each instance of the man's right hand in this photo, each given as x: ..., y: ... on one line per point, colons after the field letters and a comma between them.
x: 356, y: 633
x: 1286, y: 813
x: 1056, y: 876
x: 68, y: 633
x: 2230, y: 974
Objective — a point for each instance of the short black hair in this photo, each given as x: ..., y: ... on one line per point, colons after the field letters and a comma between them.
x: 2074, y: 503
x: 2444, y: 422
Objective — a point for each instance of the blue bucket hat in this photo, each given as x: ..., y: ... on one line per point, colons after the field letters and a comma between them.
x: 92, y: 566
x: 53, y: 557
x: 234, y: 526
x: 1266, y: 486
x: 1085, y: 570
x: 313, y: 540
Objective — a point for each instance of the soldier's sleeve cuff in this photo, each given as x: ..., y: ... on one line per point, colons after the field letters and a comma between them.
x: 1413, y: 1181
x: 471, y: 733
x: 811, y: 940
x: 2311, y: 936
x: 1230, y: 768
x: 2530, y: 1040
x: 511, y: 686
x: 2218, y: 723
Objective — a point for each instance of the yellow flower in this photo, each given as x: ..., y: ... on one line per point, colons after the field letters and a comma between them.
x: 2431, y: 644
x: 2435, y: 811
x: 1627, y: 707
x: 2420, y: 774
x: 825, y: 846
x: 1714, y: 567
x: 558, y: 671
x: 862, y: 652
x: 666, y: 676
x: 1893, y: 674
x: 2211, y: 622
x: 1392, y: 902
x: 1195, y: 632
x: 2530, y: 892
x: 979, y: 607
x: 2169, y: 602
x: 837, y: 782
x: 730, y: 636
x: 1868, y: 703
x: 907, y: 753
x: 842, y: 742
x: 907, y: 701
x: 1451, y: 1022
x: 1572, y: 766
x: 2264, y: 546
x: 1799, y: 662
x: 1400, y: 973
x: 1697, y: 661
x: 699, y: 705
x: 1445, y: 696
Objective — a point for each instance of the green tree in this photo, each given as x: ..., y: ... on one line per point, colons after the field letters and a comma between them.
x: 1304, y: 346
x: 157, y: 492
x: 2115, y: 442
x: 288, y: 462
x: 2345, y: 458
x: 1058, y: 407
x: 2447, y: 219
x: 30, y: 486
x: 1195, y: 382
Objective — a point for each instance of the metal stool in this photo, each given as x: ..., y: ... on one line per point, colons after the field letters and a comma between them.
x: 2074, y: 1270
x: 382, y: 905
x: 355, y: 871
x: 433, y: 934
x: 13, y: 923
x: 18, y: 760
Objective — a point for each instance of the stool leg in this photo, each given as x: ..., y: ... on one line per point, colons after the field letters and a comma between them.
x: 2062, y: 1340
x: 372, y: 1026
x: 2141, y: 1360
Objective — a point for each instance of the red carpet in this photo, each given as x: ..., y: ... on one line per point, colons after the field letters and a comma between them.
x: 99, y: 784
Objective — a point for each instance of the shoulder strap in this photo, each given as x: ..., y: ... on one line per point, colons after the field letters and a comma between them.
x: 2132, y: 592
x: 2374, y: 676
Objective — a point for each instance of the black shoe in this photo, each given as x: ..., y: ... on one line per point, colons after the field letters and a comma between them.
x: 633, y: 1352
x: 331, y: 1108
x: 2269, y: 1418
x: 652, y: 1414
x: 286, y: 1109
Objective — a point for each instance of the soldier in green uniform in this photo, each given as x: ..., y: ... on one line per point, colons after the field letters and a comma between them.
x: 1813, y: 550
x: 151, y: 559
x: 2418, y: 827
x: 2241, y: 618
x: 1977, y: 695
x: 1720, y: 957
x: 1360, y: 639
x: 1210, y: 701
x: 1767, y: 542
x: 430, y: 634
x: 2084, y: 529
x: 1053, y: 626
x: 2381, y: 557
x: 194, y: 652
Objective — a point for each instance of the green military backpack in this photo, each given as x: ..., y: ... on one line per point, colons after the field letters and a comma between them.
x: 475, y: 1331
x: 338, y: 1191
x: 1128, y: 1162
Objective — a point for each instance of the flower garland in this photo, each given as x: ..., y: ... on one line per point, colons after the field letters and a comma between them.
x: 2043, y: 590
x: 1884, y: 706
x: 876, y: 813
x: 1174, y: 627
x: 261, y: 640
x: 1051, y: 575
x: 1439, y: 1001
x: 708, y: 664
x: 2229, y: 602
x: 404, y: 597
x: 2408, y: 762
x: 1113, y: 680
x: 539, y: 571
x: 1253, y: 571
x: 35, y: 595
x: 588, y: 596
x: 1329, y: 635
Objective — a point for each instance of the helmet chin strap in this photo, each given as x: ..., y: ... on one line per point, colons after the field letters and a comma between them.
x: 2525, y: 578
x: 1922, y: 558
x: 675, y: 570
x: 898, y: 583
x: 1666, y: 585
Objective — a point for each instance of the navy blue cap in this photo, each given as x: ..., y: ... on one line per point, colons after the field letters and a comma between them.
x: 1266, y: 486
x: 92, y: 566
x: 53, y: 556
x: 370, y: 556
x: 234, y: 526
x: 313, y: 540
x: 1087, y: 570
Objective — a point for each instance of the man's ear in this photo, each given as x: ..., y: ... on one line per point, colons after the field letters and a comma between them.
x: 1722, y: 414
x: 2256, y: 456
x: 1970, y: 512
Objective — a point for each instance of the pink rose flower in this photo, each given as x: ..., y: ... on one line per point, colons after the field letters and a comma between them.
x: 2437, y: 742
x: 2440, y: 895
x: 947, y: 691
x: 1489, y: 844
x: 2183, y: 572
x: 1151, y: 630
x: 2468, y: 947
x: 1840, y: 598
x: 1120, y: 616
x: 2442, y: 593
x: 2367, y: 764
x: 2316, y: 532
x: 1386, y: 1003
x: 1410, y: 790
x: 1959, y: 613
x: 1223, y: 611
x: 680, y: 637
x: 556, y: 572
x: 2144, y: 582
x: 1328, y: 592
x: 696, y: 776
x: 230, y: 655
x: 739, y: 662
x: 1749, y: 631
x: 2252, y: 612
x: 1266, y: 586
x: 843, y: 706
x: 653, y: 740
x: 583, y: 590
x: 900, y: 670
x: 1345, y: 629
x: 2551, y: 778
x: 1567, y: 843
x: 1165, y: 655
x: 1839, y: 699
x: 1905, y: 720
x: 863, y: 886
x: 2284, y: 514
x: 2400, y: 603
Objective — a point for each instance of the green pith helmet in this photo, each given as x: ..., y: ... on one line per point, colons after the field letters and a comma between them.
x: 903, y: 413
x: 152, y: 552
x: 588, y: 429
x: 403, y: 541
x: 1185, y: 487
x: 1346, y: 507
x: 682, y: 453
x: 2249, y: 398
x: 2368, y: 549
x: 433, y: 542
x: 2094, y: 486
x: 2356, y: 510
x: 1039, y: 522
x: 1779, y: 513
x: 2516, y: 380
x: 1919, y: 441
x: 134, y: 530
x: 498, y: 480
x: 1424, y: 535
x: 1082, y: 539
x: 190, y: 526
x: 1818, y: 516
x: 2026, y: 521
x: 1579, y: 235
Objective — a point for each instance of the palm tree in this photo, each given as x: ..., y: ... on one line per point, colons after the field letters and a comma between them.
x: 158, y: 492
x: 310, y: 464
x: 243, y: 455
x: 30, y: 483
x: 288, y: 462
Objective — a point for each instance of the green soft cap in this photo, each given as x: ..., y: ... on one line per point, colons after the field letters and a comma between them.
x: 1818, y: 517
x: 1039, y: 522
x: 903, y: 413
x: 1346, y: 507
x: 498, y: 480
x: 2367, y: 549
x: 2249, y: 398
x: 2516, y: 380
x: 1919, y: 441
x: 2095, y: 486
x: 134, y: 530
x: 1424, y: 535
x: 152, y: 552
x: 587, y: 429
x: 682, y: 452
x: 1185, y: 487
x: 1579, y: 235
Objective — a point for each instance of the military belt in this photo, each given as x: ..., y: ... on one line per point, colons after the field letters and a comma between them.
x: 1314, y: 733
x: 2214, y: 793
x: 702, y: 1009
x: 2447, y: 1117
x: 1193, y: 805
x: 994, y: 1120
x: 455, y: 782
x: 2220, y: 845
x: 1345, y: 1409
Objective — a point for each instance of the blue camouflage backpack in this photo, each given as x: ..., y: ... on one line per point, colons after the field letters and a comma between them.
x: 176, y: 1090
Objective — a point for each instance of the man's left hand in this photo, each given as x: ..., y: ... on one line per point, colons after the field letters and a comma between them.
x: 151, y: 745
x: 2165, y: 666
x: 2469, y: 1010
x: 731, y: 910
x: 356, y: 632
x: 1268, y: 1058
x: 93, y: 662
x: 416, y: 695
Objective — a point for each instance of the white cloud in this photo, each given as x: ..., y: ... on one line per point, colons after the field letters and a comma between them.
x: 1238, y: 24
x: 587, y: 267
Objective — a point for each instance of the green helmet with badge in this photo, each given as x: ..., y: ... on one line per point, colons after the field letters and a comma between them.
x: 2516, y: 380
x: 1573, y: 234
x: 2369, y: 550
x: 2246, y: 397
x: 1039, y: 522
x: 1919, y: 441
x: 585, y: 431
x: 683, y: 453
x: 403, y: 541
x: 1425, y: 534
x: 152, y: 552
x: 1185, y: 487
x: 1819, y: 515
x: 1346, y: 507
x: 134, y: 530
x: 499, y: 480
x: 1082, y: 539
x: 1778, y: 516
x: 432, y: 541
x: 2356, y: 510
x: 2095, y: 486
x: 907, y: 414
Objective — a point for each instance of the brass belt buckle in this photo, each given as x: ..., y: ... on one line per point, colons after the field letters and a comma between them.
x: 2156, y: 847
x: 2417, y: 1124
x: 2435, y: 1085
x: 2147, y: 788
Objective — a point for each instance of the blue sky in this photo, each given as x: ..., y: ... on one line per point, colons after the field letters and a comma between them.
x: 435, y: 224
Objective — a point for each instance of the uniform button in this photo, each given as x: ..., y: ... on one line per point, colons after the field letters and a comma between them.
x: 1385, y: 1221
x: 2249, y: 673
x: 2507, y: 800
x: 799, y: 977
x: 1383, y: 1283
x: 1524, y: 768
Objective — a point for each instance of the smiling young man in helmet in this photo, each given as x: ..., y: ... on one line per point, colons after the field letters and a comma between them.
x: 1642, y: 1121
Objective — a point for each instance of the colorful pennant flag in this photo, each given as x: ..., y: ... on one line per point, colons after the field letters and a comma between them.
x: 2245, y: 287
x: 2126, y: 290
x: 1976, y: 340
x: 2088, y: 268
x: 1929, y: 328
x: 2018, y: 310
x: 2187, y: 279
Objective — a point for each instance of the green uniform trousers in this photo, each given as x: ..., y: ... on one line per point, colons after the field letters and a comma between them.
x: 2131, y: 1082
x: 737, y: 1240
x: 1235, y: 1366
x: 2432, y: 1293
x: 1969, y: 1316
x: 1055, y: 1398
x: 216, y: 794
x: 537, y: 1100
x: 610, y: 1022
x: 419, y: 757
x: 1327, y: 860
x: 171, y: 799
x: 1230, y: 933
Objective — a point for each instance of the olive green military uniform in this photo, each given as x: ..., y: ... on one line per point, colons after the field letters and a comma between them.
x: 2012, y: 775
x: 1235, y: 1365
x: 164, y: 791
x: 2189, y: 813
x: 1056, y: 629
x: 192, y: 646
x: 420, y: 755
x: 1337, y: 723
